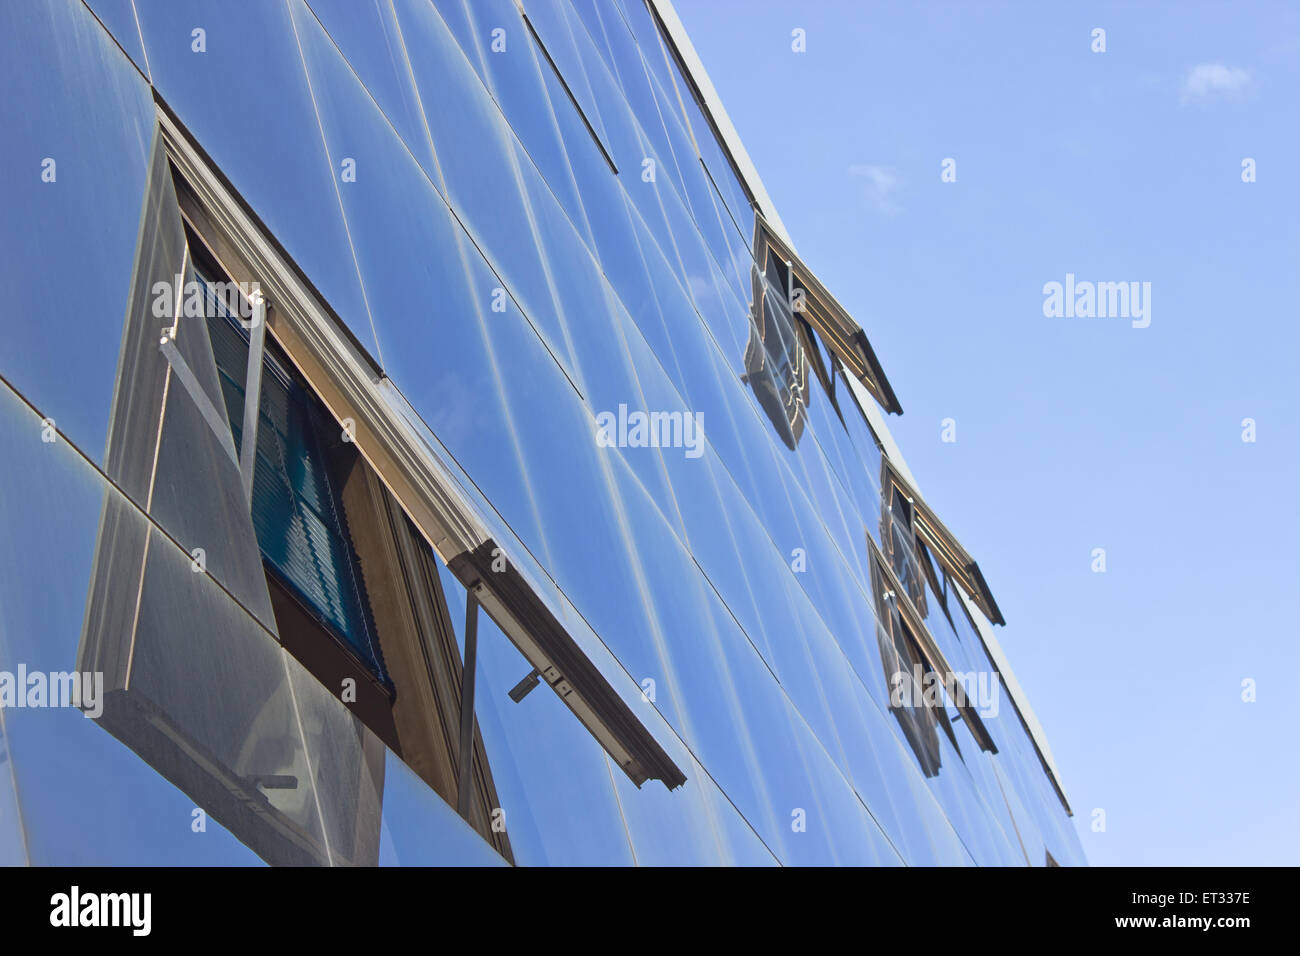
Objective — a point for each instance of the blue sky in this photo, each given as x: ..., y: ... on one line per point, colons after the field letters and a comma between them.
x: 1077, y: 433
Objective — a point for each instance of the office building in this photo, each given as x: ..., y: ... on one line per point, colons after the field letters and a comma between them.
x: 423, y: 443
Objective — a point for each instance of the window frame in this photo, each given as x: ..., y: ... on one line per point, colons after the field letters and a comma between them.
x: 350, y: 384
x: 888, y: 583
x: 952, y: 557
x: 843, y: 337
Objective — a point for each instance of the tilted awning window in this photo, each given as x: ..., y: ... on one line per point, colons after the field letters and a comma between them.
x: 903, y: 664
x: 959, y: 565
x: 894, y: 596
x: 812, y: 303
x: 776, y: 364
x: 440, y: 501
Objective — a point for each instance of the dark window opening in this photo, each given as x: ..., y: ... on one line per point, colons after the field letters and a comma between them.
x: 298, y: 515
x: 919, y: 678
x: 938, y: 582
x: 825, y: 366
x: 354, y: 587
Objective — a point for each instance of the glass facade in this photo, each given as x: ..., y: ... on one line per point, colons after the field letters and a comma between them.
x: 519, y: 280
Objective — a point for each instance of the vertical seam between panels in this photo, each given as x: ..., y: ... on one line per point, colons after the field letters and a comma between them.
x: 329, y: 162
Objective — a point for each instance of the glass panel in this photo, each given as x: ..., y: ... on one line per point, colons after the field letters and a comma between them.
x: 483, y: 184
x: 84, y: 798
x: 556, y: 790
x: 248, y: 86
x: 640, y: 21
x: 119, y: 17
x: 524, y: 87
x: 367, y: 34
x: 550, y: 19
x: 696, y: 826
x: 455, y: 15
x: 296, y: 506
x: 220, y: 718
x: 78, y: 122
x: 630, y: 75
x: 419, y: 829
x: 720, y: 169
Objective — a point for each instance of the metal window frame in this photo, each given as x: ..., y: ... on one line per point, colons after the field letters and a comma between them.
x: 926, y: 643
x: 348, y: 382
x: 785, y: 400
x: 128, y: 633
x: 843, y: 336
x: 954, y: 559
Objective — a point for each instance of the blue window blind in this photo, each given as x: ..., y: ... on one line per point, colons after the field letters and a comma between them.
x: 297, y: 514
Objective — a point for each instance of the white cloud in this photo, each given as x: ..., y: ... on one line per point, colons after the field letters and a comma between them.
x: 1214, y: 79
x: 880, y: 185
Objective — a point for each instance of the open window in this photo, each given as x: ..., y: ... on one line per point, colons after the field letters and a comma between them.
x: 921, y: 682
x: 929, y: 531
x: 811, y: 303
x: 179, y: 618
x: 776, y: 356
x: 291, y: 507
x: 297, y: 505
x: 405, y: 505
x: 292, y: 539
x: 905, y: 669
x: 796, y: 325
x: 354, y: 589
x: 898, y: 538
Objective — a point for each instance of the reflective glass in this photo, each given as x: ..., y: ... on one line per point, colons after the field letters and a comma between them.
x: 119, y: 17
x: 366, y: 32
x: 242, y: 91
x: 695, y: 827
x: 555, y: 786
x: 720, y: 169
x: 523, y: 86
x: 83, y: 798
x: 640, y: 21
x: 78, y: 122
x: 550, y: 19
x: 419, y: 829
x: 424, y: 165
x: 623, y: 136
x: 484, y: 184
